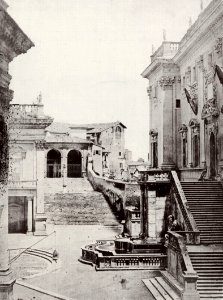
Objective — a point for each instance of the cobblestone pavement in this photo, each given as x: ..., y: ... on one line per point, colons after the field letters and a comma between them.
x: 80, y: 281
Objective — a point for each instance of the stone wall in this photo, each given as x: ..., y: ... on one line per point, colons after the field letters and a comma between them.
x: 120, y: 194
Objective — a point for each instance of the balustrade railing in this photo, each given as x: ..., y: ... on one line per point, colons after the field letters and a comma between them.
x: 150, y: 261
x: 190, y: 232
x: 155, y: 175
x: 26, y: 110
x: 180, y: 266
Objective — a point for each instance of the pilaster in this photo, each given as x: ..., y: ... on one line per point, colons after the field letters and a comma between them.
x: 40, y: 218
x: 166, y: 83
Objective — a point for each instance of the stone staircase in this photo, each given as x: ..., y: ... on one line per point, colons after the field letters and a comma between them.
x: 160, y: 289
x: 209, y: 267
x: 205, y: 201
x: 86, y: 207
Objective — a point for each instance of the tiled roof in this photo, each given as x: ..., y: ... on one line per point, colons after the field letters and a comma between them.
x: 58, y: 127
x: 65, y: 138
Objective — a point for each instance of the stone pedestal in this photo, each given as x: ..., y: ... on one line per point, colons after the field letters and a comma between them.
x: 40, y: 224
x: 6, y: 285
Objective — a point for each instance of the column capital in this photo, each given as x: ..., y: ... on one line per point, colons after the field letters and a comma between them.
x: 166, y: 81
x: 40, y: 145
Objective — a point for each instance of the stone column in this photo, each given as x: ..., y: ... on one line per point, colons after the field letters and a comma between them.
x: 6, y: 279
x: 144, y: 211
x: 168, y: 162
x: 30, y: 215
x: 40, y: 218
x: 151, y: 215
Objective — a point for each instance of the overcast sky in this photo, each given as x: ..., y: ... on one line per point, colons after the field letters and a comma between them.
x: 89, y: 55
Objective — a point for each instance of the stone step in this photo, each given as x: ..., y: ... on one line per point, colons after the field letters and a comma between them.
x: 160, y: 289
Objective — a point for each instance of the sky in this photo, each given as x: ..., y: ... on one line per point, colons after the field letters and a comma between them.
x: 89, y: 55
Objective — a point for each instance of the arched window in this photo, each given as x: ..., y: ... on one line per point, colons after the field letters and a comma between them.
x: 195, y: 142
x: 118, y: 132
x: 74, y: 164
x: 53, y: 164
x: 184, y: 154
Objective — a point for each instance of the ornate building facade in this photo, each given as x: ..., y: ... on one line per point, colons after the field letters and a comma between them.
x: 48, y: 157
x: 185, y: 93
x: 13, y: 42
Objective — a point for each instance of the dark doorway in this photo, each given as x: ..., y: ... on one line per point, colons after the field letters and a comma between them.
x: 17, y: 214
x: 74, y: 164
x: 154, y: 155
x: 53, y: 164
x: 212, y: 156
x: 196, y: 150
x: 184, y: 152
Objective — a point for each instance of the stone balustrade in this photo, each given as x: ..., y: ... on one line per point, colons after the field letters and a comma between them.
x: 154, y: 175
x: 180, y: 265
x: 119, y: 193
x: 185, y: 218
x: 137, y: 261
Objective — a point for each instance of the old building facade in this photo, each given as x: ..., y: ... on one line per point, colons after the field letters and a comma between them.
x: 186, y: 95
x: 13, y: 42
x: 48, y: 157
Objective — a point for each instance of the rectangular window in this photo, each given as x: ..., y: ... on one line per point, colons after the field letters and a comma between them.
x: 121, y: 165
x: 120, y: 153
x: 177, y: 103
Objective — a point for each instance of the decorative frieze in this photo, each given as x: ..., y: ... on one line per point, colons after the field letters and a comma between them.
x: 40, y: 145
x: 183, y: 130
x: 149, y: 90
x: 13, y: 36
x: 166, y: 81
x: 213, y: 129
x: 218, y: 46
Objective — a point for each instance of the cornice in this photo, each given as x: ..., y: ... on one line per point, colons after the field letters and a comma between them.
x: 15, y: 39
x: 199, y: 31
x: 159, y: 62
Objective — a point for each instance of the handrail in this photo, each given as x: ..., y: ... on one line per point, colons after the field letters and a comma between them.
x: 17, y: 256
x: 177, y: 242
x: 182, y: 201
x: 183, y: 271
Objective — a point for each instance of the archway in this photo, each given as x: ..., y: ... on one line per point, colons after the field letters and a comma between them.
x: 196, y: 150
x: 212, y: 155
x: 74, y: 164
x: 53, y: 164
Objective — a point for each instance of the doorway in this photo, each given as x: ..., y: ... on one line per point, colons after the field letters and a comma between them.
x: 17, y: 214
x: 74, y: 164
x: 212, y: 155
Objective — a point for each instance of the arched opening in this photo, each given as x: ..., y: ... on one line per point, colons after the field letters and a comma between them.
x: 118, y: 132
x: 196, y: 151
x: 212, y: 155
x: 184, y: 152
x: 154, y: 155
x: 74, y: 164
x: 53, y: 164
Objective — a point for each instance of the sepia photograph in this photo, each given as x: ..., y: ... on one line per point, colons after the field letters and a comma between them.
x: 111, y: 149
